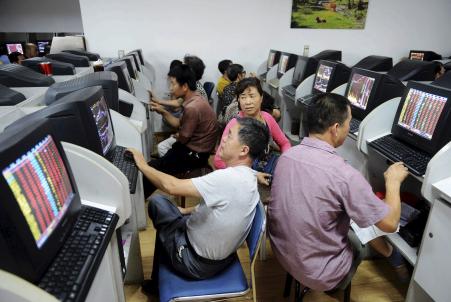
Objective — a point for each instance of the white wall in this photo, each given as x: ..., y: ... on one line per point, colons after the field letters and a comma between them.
x: 244, y: 30
x: 40, y: 16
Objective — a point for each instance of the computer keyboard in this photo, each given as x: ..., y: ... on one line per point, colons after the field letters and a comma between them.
x: 289, y: 90
x: 354, y: 125
x: 274, y: 83
x: 415, y: 160
x: 306, y: 99
x: 127, y: 166
x: 70, y: 275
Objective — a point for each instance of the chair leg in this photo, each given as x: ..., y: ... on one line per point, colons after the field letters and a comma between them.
x: 347, y: 293
x: 300, y: 291
x: 263, y: 245
x: 297, y: 291
x: 287, y: 288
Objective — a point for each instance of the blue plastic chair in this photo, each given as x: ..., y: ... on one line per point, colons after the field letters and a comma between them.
x: 229, y: 283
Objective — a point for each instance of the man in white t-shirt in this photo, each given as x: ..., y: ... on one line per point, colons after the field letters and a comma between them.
x: 201, y: 241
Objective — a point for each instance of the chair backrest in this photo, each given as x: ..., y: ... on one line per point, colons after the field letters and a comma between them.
x: 255, y: 235
x: 208, y: 86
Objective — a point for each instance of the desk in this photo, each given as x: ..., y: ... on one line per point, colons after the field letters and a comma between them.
x: 432, y: 267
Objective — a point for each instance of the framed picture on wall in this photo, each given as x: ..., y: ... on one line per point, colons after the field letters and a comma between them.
x: 329, y: 14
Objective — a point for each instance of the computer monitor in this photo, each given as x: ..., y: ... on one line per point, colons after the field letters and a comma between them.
x: 286, y: 62
x: 15, y: 75
x: 106, y: 79
x: 58, y: 68
x: 134, y: 55
x: 140, y: 55
x: 14, y: 46
x: 76, y: 60
x: 443, y: 81
x: 9, y: 97
x: 40, y: 200
x: 304, y: 68
x: 329, y: 55
x: 375, y: 63
x: 424, y: 55
x: 329, y: 76
x: 368, y: 89
x: 423, y: 117
x: 414, y: 70
x: 90, y: 55
x: 273, y: 58
x: 42, y: 45
x: 81, y: 118
x: 130, y: 62
x: 123, y: 78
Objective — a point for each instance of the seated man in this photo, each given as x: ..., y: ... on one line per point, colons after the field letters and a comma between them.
x: 315, y: 193
x: 201, y: 241
x: 223, y: 81
x: 235, y: 73
x: 197, y: 128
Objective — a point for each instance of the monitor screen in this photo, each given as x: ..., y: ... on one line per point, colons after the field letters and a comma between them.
x: 299, y: 70
x: 360, y: 90
x: 128, y: 79
x: 41, y: 186
x: 283, y: 63
x: 417, y: 56
x: 104, y: 126
x: 41, y: 45
x: 421, y: 112
x: 322, y: 77
x: 12, y: 47
x: 271, y: 57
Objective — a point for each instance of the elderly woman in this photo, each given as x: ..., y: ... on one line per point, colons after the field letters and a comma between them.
x: 250, y: 94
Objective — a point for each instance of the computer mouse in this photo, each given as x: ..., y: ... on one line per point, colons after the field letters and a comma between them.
x: 128, y: 155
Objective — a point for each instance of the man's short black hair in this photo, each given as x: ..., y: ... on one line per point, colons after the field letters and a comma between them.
x: 234, y: 71
x: 183, y: 74
x: 253, y: 134
x: 246, y: 83
x: 223, y: 65
x: 196, y: 65
x: 14, y: 57
x: 325, y: 110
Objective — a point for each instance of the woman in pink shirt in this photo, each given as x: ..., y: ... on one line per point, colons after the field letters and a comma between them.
x: 250, y: 94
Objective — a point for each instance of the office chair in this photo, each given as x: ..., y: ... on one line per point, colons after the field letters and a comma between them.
x: 228, y: 284
x: 208, y: 86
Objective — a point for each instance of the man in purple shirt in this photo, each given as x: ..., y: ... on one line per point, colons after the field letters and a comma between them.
x: 315, y: 193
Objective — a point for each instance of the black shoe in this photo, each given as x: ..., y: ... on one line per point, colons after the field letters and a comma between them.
x: 150, y: 287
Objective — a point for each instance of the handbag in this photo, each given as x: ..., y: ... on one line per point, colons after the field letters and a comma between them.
x: 266, y: 164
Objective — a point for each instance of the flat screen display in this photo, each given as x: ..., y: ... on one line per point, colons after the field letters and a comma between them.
x: 322, y: 78
x: 283, y: 63
x: 271, y: 57
x: 41, y: 186
x: 13, y: 47
x: 421, y: 112
x: 360, y: 90
x: 104, y: 126
x: 42, y: 45
x: 417, y: 56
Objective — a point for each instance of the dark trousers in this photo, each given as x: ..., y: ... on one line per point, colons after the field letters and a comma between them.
x: 172, y: 245
x: 178, y: 159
